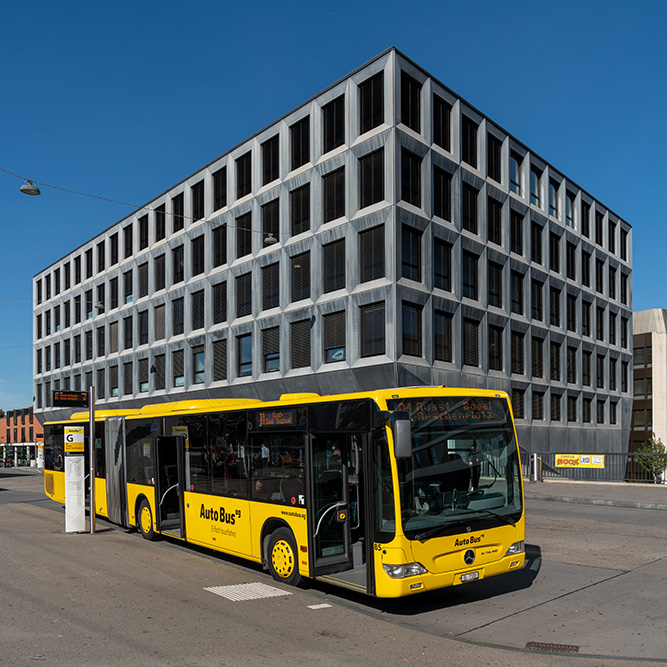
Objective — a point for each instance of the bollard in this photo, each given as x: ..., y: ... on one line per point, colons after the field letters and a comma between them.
x: 535, y: 468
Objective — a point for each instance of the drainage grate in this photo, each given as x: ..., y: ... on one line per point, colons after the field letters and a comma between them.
x: 552, y: 648
x: 242, y: 592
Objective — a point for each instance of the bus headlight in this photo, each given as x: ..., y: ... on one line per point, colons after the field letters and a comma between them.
x: 516, y: 548
x: 402, y: 571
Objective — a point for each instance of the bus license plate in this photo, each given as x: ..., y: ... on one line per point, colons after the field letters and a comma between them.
x: 469, y: 577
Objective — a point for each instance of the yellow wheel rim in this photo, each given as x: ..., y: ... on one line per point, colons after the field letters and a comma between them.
x: 146, y: 520
x: 282, y: 559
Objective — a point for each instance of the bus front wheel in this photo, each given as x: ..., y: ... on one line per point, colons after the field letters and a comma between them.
x: 283, y: 557
x: 146, y: 521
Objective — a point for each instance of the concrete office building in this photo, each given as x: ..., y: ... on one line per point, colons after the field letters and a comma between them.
x: 383, y: 233
x: 649, y: 412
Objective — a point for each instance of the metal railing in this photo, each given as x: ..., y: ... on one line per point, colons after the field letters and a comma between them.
x: 635, y: 467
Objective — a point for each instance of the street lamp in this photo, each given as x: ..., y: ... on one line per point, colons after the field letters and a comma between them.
x: 29, y: 188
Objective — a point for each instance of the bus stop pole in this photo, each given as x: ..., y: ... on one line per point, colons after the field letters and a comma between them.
x: 91, y: 450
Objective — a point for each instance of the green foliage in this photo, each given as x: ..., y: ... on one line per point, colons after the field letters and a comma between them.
x: 655, y: 462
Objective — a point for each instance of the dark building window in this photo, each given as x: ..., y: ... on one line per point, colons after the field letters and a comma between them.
x: 244, y: 295
x: 270, y: 160
x: 371, y: 103
x: 160, y: 225
x: 177, y: 213
x: 371, y: 178
x: 333, y: 124
x: 177, y: 317
x: 410, y: 102
x: 198, y: 309
x: 300, y: 209
x: 178, y: 264
x: 244, y: 175
x: 197, y: 195
x: 219, y: 360
x: 127, y: 292
x: 220, y: 189
x: 442, y: 336
x: 571, y: 260
x: 244, y: 235
x: 470, y: 277
x: 518, y: 403
x: 220, y: 302
x: 495, y: 284
x: 537, y: 358
x: 536, y: 243
x: 372, y: 329
x: 586, y: 268
x: 371, y: 254
x: 585, y: 220
x: 586, y: 318
x: 538, y: 405
x: 100, y: 259
x: 220, y: 245
x: 516, y: 232
x: 469, y: 207
x: 410, y: 177
x: 127, y: 238
x: 143, y: 327
x: 198, y: 255
x: 441, y: 122
x: 470, y: 342
x: 300, y: 343
x: 554, y: 356
x: 159, y: 271
x: 142, y: 270
x: 177, y: 372
x: 198, y: 365
x: 334, y: 337
x: 599, y: 276
x: 442, y: 265
x: 127, y: 378
x: 159, y: 323
x: 517, y: 353
x: 494, y: 211
x: 442, y: 194
x: 271, y: 219
x: 516, y: 289
x: 333, y: 195
x: 554, y: 252
x: 270, y: 286
x: 412, y: 329
x: 469, y: 141
x: 572, y: 365
x: 493, y: 157
x: 143, y: 232
x: 300, y: 271
x: 271, y: 349
x: 599, y: 323
x: 333, y: 255
x: 300, y: 142
x: 554, y: 311
x: 495, y: 348
x: 571, y: 305
x: 555, y: 407
x: 599, y: 220
x: 411, y: 253
x: 536, y: 300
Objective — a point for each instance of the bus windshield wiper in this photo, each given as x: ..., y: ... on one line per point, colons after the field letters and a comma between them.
x: 438, y: 529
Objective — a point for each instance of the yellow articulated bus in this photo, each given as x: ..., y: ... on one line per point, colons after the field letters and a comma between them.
x: 389, y: 493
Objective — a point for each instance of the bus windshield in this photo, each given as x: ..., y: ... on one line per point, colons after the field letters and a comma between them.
x: 464, y: 466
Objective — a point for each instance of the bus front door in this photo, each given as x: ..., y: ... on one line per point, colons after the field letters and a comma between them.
x: 169, y: 481
x: 330, y: 504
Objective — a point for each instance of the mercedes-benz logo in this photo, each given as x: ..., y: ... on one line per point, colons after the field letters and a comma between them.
x: 469, y: 557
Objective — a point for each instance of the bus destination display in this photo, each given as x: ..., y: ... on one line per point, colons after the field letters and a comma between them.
x: 273, y: 418
x: 454, y: 411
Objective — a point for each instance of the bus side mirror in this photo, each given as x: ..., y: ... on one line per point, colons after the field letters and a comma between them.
x: 402, y: 431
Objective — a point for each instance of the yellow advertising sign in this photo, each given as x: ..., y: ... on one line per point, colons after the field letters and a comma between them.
x: 579, y: 460
x: 74, y: 439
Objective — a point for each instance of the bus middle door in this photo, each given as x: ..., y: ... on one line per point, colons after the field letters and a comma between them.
x: 169, y: 483
x: 330, y: 504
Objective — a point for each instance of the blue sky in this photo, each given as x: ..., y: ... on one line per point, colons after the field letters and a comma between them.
x: 124, y: 99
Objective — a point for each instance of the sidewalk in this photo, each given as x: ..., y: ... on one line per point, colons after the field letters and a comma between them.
x: 616, y: 494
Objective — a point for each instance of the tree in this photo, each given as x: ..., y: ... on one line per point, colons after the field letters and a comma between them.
x: 653, y: 457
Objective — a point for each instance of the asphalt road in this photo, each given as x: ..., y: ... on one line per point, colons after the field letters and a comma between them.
x: 596, y: 579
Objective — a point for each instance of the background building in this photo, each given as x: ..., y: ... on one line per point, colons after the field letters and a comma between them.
x: 20, y: 436
x: 383, y: 233
x: 649, y: 412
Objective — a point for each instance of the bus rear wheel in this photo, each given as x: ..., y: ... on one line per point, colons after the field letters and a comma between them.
x: 283, y: 557
x: 145, y: 522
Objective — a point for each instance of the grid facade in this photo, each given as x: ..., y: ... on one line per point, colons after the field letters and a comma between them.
x: 383, y: 233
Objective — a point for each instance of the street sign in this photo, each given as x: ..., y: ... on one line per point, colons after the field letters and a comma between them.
x: 70, y: 399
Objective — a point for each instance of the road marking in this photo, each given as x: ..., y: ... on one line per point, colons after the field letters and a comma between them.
x: 318, y: 606
x: 240, y: 592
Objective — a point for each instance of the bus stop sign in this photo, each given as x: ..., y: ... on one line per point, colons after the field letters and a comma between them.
x: 70, y: 399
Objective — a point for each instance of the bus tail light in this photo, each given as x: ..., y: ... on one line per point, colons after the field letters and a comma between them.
x: 405, y: 570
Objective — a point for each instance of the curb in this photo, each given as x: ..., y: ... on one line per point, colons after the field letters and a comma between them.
x: 597, y: 501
